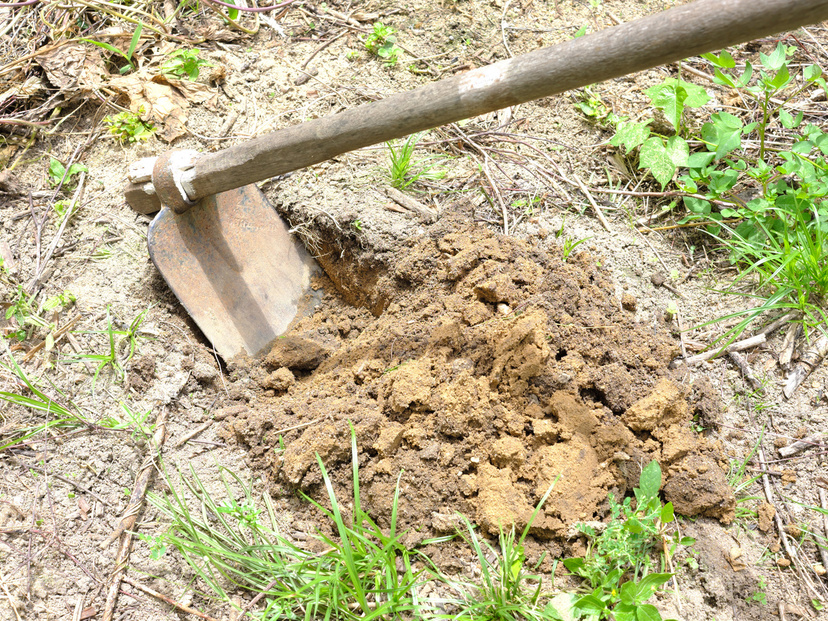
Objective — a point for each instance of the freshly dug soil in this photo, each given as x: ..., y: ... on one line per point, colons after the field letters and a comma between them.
x: 485, y: 371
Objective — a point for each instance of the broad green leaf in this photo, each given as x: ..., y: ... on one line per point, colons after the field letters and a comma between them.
x: 696, y: 95
x: 630, y: 135
x: 777, y: 58
x: 562, y: 607
x: 663, y: 159
x: 667, y: 514
x: 573, y: 564
x: 650, y: 584
x: 590, y: 604
x: 647, y: 612
x: 650, y: 480
x: 722, y: 134
x: 723, y: 60
x: 673, y: 95
x: 811, y: 72
x: 581, y: 32
x: 56, y: 169
x: 803, y: 147
x: 232, y: 13
x: 697, y: 205
x: 630, y: 593
x: 781, y: 79
x: 700, y: 160
x: 624, y: 613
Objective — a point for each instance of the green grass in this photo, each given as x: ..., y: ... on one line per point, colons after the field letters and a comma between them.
x: 58, y: 415
x: 357, y: 577
x: 366, y: 572
x: 404, y: 169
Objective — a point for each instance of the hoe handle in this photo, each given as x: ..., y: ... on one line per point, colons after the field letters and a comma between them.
x: 683, y: 31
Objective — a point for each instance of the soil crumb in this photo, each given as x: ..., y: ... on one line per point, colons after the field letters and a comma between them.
x: 485, y: 371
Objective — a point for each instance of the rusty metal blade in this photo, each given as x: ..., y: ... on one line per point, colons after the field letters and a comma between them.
x: 234, y: 266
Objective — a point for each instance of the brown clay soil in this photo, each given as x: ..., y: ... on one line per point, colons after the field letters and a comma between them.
x: 487, y: 371
x: 477, y: 367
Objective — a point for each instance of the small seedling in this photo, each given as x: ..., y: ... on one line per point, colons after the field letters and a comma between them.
x: 129, y: 127
x: 357, y: 224
x: 130, y: 65
x: 382, y: 43
x: 570, y: 244
x: 404, y: 170
x: 618, y: 564
x: 58, y: 173
x: 759, y: 596
x: 184, y: 63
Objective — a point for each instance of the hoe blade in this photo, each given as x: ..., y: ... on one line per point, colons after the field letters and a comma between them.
x: 235, y: 268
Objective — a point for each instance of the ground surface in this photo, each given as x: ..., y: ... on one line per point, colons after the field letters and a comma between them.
x: 481, y: 365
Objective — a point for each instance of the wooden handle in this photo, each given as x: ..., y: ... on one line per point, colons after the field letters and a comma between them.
x: 672, y: 35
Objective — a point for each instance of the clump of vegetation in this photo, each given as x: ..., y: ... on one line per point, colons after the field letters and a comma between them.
x: 367, y: 572
x: 618, y: 566
x: 765, y: 205
x: 129, y: 127
x: 59, y: 173
x: 182, y: 63
x: 382, y: 42
x: 404, y: 170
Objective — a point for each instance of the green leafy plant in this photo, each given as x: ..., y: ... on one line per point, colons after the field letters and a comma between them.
x: 364, y: 572
x: 182, y: 63
x: 382, y: 42
x: 60, y: 412
x: 129, y: 127
x: 593, y: 107
x: 662, y: 155
x: 759, y: 595
x: 767, y: 207
x: 570, y: 244
x: 58, y: 172
x: 122, y: 344
x: 130, y: 65
x: 404, y: 170
x: 505, y: 592
x: 618, y: 564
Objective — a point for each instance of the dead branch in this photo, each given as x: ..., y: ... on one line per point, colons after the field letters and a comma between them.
x: 802, y: 444
x: 737, y: 346
x: 164, y: 598
x: 127, y: 522
x: 426, y: 213
x: 740, y: 361
x: 808, y: 361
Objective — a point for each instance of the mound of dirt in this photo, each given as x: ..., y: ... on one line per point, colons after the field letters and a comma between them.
x: 485, y: 371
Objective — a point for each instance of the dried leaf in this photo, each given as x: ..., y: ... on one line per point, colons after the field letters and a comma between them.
x: 75, y: 68
x: 159, y: 104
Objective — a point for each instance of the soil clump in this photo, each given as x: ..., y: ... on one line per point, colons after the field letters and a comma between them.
x: 485, y: 371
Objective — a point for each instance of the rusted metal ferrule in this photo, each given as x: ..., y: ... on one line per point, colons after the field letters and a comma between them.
x: 168, y: 178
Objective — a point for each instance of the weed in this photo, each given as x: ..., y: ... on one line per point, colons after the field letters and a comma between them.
x: 781, y: 240
x: 357, y: 225
x: 404, y: 170
x: 594, y: 108
x: 130, y: 65
x: 122, y: 345
x: 570, y: 244
x: 382, y: 43
x: 759, y: 596
x: 618, y: 563
x: 740, y: 482
x: 182, y: 63
x: 129, y: 127
x: 504, y: 593
x: 364, y: 573
x: 59, y: 174
x: 64, y: 416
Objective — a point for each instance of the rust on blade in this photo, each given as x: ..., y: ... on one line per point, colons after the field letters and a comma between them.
x: 234, y: 266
